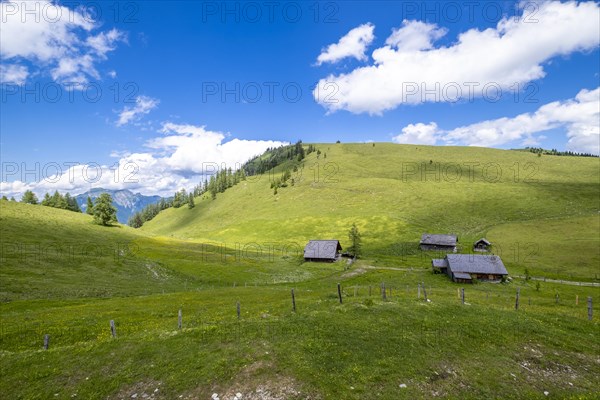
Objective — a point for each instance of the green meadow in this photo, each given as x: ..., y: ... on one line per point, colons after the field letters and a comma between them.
x: 538, y: 211
x: 65, y: 277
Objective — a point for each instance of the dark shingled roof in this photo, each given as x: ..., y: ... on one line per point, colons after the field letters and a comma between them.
x: 440, y: 240
x: 439, y: 263
x: 476, y: 263
x: 322, y: 249
x: 483, y: 240
x: 462, y: 275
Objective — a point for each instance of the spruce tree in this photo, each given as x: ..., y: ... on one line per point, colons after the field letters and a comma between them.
x: 58, y: 200
x: 191, y: 203
x: 354, y: 236
x: 47, y: 200
x: 72, y: 203
x: 90, y: 206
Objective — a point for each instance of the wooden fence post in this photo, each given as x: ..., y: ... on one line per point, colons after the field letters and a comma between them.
x: 113, y: 330
x: 339, y: 293
x: 179, y: 319
x: 46, y: 342
x: 424, y: 291
x: 418, y: 291
x: 557, y: 298
x: 590, y: 309
x: 383, y: 293
x: 462, y: 295
x: 293, y: 301
x: 237, y: 305
x: 458, y: 292
x: 576, y: 300
x: 517, y: 300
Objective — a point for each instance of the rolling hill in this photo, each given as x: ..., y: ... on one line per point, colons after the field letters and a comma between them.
x: 397, y: 192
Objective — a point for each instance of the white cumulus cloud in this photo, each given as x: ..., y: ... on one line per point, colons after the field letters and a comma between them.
x: 578, y: 117
x: 408, y: 68
x: 418, y: 134
x: 57, y: 39
x: 353, y: 44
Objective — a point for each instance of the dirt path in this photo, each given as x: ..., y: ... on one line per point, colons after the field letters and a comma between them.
x: 561, y: 281
x: 392, y: 268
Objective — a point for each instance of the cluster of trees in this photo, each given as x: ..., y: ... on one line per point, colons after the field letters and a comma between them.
x: 180, y: 199
x: 221, y: 181
x: 294, y: 153
x: 102, y: 209
x: 539, y: 151
x: 148, y: 212
x: 282, y: 181
x: 276, y: 156
x: 57, y: 200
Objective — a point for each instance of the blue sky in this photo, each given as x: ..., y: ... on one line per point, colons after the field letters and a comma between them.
x: 179, y: 83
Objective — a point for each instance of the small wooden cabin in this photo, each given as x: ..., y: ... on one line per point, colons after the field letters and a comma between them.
x: 322, y: 250
x: 430, y: 241
x: 482, y: 245
x: 463, y: 268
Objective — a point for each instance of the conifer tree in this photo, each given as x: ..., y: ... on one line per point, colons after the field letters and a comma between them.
x: 354, y: 236
x: 47, y: 201
x: 90, y: 206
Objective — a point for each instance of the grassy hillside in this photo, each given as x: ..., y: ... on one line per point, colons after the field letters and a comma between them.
x: 397, y: 192
x: 63, y: 276
x: 52, y: 253
x: 56, y: 254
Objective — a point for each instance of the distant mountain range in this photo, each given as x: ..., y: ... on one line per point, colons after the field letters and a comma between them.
x: 126, y: 202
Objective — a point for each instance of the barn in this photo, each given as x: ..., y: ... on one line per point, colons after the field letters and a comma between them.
x: 482, y: 245
x: 430, y: 241
x: 466, y: 267
x: 322, y: 250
